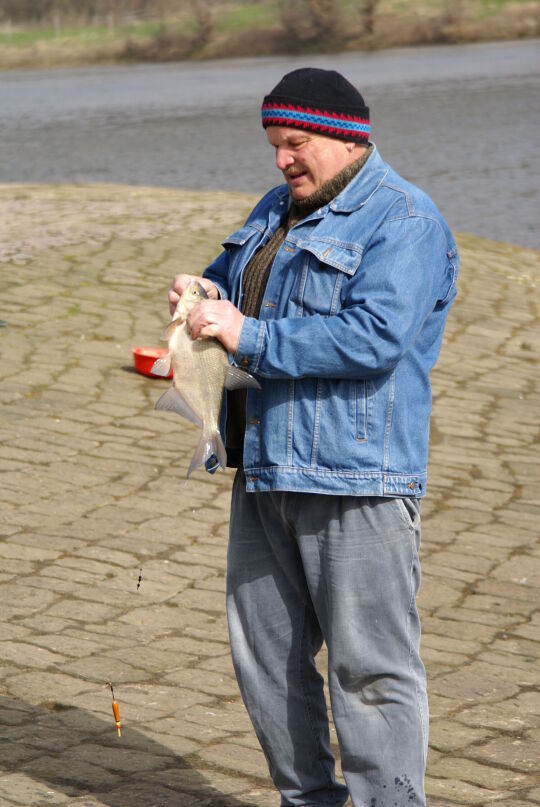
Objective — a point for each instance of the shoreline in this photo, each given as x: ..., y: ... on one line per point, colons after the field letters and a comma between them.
x: 32, y: 224
x: 514, y: 23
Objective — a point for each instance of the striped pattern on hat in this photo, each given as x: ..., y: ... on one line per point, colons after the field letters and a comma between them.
x: 321, y: 101
x: 332, y: 124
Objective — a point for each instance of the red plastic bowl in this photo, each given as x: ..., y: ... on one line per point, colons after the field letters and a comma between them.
x: 144, y: 358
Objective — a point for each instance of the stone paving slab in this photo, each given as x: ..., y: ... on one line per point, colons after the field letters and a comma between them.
x: 94, y: 490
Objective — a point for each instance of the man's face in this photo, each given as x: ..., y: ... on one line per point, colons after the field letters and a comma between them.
x: 308, y: 160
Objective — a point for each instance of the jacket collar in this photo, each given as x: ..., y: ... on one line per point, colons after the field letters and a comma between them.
x: 362, y: 186
x: 354, y: 195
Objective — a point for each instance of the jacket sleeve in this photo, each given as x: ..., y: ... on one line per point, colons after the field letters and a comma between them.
x: 404, y: 274
x: 218, y: 272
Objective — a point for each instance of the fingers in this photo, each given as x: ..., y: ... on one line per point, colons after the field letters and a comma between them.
x: 180, y: 284
x: 217, y: 318
x: 173, y: 300
x: 209, y: 330
x: 210, y: 289
x: 202, y: 316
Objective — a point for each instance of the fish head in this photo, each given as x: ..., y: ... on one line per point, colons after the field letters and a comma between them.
x: 194, y: 292
x: 191, y: 295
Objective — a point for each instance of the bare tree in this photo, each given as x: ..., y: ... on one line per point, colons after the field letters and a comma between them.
x: 367, y: 12
x: 204, y: 20
x: 25, y: 10
x: 310, y: 20
x: 325, y: 16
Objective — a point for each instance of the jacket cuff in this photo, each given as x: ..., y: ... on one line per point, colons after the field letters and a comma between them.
x: 249, y: 351
x: 221, y: 291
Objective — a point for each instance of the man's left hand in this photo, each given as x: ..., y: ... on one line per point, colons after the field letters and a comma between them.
x: 218, y: 318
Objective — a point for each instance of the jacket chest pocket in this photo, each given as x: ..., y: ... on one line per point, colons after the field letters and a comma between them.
x: 241, y: 246
x: 324, y: 266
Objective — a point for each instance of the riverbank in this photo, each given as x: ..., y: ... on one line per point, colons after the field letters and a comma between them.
x: 264, y: 30
x: 38, y: 217
x: 155, y: 125
x: 94, y: 501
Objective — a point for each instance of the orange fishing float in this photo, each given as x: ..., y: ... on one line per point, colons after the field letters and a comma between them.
x: 116, y: 713
x: 116, y: 710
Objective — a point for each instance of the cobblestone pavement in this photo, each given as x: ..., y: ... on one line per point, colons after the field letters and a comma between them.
x: 93, y: 491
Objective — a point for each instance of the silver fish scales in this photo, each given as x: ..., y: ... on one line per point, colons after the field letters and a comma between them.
x: 201, y: 372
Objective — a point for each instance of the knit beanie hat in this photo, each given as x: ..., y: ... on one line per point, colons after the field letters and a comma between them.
x: 320, y: 101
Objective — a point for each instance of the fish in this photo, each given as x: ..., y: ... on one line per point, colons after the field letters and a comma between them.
x: 201, y: 373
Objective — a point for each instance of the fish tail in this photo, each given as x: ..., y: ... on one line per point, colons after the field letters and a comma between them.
x: 209, y: 444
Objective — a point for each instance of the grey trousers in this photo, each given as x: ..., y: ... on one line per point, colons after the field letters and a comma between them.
x: 306, y: 568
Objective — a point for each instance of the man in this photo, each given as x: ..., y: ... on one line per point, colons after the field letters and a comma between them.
x: 335, y: 294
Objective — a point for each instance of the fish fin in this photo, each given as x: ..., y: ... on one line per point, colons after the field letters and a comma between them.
x: 208, y: 445
x: 172, y: 401
x: 162, y: 366
x: 237, y: 378
x: 169, y: 330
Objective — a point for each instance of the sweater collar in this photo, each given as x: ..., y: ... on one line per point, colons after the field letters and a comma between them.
x: 329, y: 190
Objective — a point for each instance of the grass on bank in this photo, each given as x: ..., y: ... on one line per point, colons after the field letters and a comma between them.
x: 250, y: 28
x: 78, y: 36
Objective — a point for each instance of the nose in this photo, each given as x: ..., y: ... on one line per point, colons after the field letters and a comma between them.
x: 284, y: 158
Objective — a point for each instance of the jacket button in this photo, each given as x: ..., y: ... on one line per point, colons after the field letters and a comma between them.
x: 411, y: 485
x: 253, y: 478
x: 254, y: 421
x: 245, y: 361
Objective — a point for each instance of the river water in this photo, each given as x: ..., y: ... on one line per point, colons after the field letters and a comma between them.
x: 460, y: 121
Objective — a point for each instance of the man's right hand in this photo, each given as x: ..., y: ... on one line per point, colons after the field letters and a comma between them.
x: 181, y: 282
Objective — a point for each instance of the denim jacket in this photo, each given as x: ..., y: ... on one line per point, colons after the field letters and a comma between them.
x: 350, y: 327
